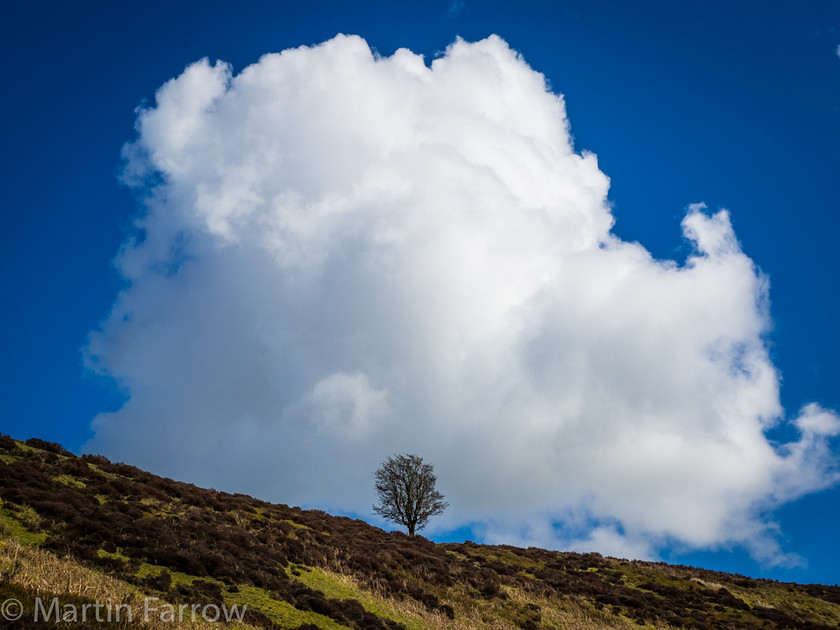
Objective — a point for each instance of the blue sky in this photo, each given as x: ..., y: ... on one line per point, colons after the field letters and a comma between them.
x: 682, y: 103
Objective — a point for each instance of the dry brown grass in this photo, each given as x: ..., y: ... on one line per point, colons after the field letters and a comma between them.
x: 43, y: 572
x: 472, y: 613
x: 559, y: 613
x: 569, y: 614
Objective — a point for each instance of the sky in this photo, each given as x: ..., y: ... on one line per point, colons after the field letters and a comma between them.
x: 577, y: 255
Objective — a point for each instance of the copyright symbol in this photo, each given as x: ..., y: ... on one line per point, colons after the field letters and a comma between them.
x: 12, y: 610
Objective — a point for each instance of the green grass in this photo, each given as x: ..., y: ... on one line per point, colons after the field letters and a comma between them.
x: 33, y: 449
x: 117, y: 554
x: 12, y: 525
x: 254, y: 598
x: 155, y: 508
x: 790, y: 602
x: 281, y: 613
x: 108, y: 475
x: 26, y: 448
x: 147, y: 570
x: 294, y: 524
x: 337, y: 586
x: 69, y: 480
x: 500, y: 554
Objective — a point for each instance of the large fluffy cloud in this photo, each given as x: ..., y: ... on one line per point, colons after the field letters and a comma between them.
x: 344, y: 256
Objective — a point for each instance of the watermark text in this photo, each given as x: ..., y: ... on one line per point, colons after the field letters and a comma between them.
x: 149, y: 609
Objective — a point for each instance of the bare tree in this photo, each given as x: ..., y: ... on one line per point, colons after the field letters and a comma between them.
x: 407, y: 494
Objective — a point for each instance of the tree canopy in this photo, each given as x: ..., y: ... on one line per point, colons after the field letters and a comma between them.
x: 407, y: 494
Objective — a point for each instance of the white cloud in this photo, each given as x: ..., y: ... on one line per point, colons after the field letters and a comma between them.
x: 346, y: 256
x: 346, y: 403
x: 610, y: 542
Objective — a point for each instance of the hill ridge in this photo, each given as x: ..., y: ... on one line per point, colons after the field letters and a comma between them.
x: 295, y: 568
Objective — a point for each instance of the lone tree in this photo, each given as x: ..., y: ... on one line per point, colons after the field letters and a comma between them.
x: 407, y: 494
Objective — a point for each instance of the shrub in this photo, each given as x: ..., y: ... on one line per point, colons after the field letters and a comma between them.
x: 7, y: 443
x: 50, y: 447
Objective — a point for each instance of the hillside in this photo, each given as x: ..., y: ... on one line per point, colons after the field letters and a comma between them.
x: 87, y: 530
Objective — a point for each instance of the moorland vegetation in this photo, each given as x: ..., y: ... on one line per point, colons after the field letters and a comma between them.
x: 87, y: 528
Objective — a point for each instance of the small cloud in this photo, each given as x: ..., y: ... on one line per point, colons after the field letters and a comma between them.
x: 610, y: 542
x: 456, y: 6
x: 710, y: 234
x: 347, y: 403
x: 819, y: 421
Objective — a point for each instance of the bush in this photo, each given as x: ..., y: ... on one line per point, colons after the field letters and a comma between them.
x: 50, y: 447
x: 7, y: 443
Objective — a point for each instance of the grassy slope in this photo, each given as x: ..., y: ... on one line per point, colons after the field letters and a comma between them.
x: 89, y: 529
